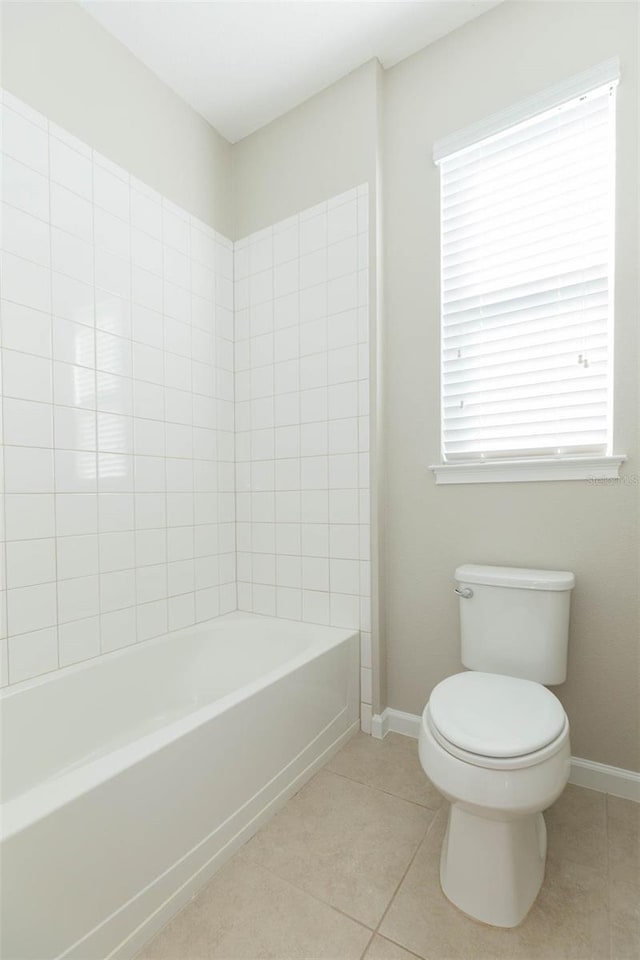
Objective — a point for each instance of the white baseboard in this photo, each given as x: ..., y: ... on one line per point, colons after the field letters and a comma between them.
x: 395, y: 721
x: 600, y: 776
x: 584, y: 773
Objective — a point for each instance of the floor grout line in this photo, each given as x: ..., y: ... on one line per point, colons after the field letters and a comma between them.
x: 399, y: 884
x: 387, y: 793
x: 296, y: 886
x: 608, y: 872
x: 326, y: 903
x: 374, y: 932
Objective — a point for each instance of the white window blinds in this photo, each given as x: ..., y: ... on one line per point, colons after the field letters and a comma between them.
x: 527, y: 236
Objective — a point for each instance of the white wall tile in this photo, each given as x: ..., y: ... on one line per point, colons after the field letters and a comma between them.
x: 146, y: 211
x: 79, y: 640
x: 71, y: 212
x: 27, y: 423
x: 77, y: 598
x: 30, y: 562
x: 25, y: 188
x: 146, y: 445
x: 345, y: 611
x: 181, y: 611
x: 70, y: 168
x: 28, y: 470
x: 25, y: 235
x: 315, y: 607
x: 117, y: 590
x: 25, y: 282
x: 365, y: 685
x: 72, y: 299
x: 111, y: 233
x: 73, y: 343
x: 110, y: 192
x: 365, y: 717
x: 29, y: 516
x: 289, y: 603
x: 31, y: 608
x: 77, y: 556
x: 76, y: 471
x: 76, y: 514
x: 117, y: 629
x: 25, y: 329
x: 342, y: 221
x: 152, y: 619
x: 365, y: 650
x: 71, y: 256
x: 312, y: 333
x: 25, y: 141
x: 32, y: 654
x: 112, y: 272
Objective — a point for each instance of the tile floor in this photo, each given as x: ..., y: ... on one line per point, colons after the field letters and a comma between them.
x: 348, y: 869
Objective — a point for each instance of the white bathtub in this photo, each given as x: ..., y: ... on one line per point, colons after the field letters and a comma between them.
x: 128, y: 780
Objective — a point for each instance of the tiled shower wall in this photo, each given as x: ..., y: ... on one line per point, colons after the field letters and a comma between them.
x: 117, y: 406
x: 121, y: 511
x: 302, y: 420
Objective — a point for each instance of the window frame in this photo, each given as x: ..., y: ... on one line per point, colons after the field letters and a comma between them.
x: 569, y: 466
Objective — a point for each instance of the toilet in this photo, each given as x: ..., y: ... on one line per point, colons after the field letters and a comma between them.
x: 495, y: 741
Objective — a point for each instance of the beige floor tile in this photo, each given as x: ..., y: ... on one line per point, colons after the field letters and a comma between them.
x: 624, y: 906
x: 344, y: 842
x: 577, y: 827
x: 382, y: 949
x: 623, y: 823
x: 391, y: 765
x: 246, y: 913
x: 569, y: 919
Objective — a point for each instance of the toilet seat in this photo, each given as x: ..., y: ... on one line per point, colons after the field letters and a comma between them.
x: 495, y: 721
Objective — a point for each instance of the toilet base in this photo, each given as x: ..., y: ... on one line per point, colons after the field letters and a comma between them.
x: 492, y: 869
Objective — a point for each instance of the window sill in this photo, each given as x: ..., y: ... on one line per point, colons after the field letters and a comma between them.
x: 522, y: 471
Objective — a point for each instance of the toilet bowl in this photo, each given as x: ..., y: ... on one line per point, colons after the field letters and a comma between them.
x: 497, y: 747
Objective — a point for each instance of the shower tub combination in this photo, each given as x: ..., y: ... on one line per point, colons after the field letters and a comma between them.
x: 127, y: 781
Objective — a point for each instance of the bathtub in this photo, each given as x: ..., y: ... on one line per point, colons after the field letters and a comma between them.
x: 127, y: 781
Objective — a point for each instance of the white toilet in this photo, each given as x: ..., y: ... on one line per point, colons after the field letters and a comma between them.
x: 495, y: 741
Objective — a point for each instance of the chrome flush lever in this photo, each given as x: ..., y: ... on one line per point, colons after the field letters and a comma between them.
x: 465, y: 592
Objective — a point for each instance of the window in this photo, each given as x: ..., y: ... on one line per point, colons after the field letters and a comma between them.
x: 527, y: 205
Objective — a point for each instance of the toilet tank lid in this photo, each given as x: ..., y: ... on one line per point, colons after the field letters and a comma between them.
x: 522, y: 578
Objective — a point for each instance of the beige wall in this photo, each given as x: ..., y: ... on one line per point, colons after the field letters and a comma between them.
x: 58, y: 59
x: 515, y: 50
x: 316, y: 151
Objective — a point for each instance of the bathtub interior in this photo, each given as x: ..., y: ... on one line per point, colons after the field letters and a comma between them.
x: 62, y: 721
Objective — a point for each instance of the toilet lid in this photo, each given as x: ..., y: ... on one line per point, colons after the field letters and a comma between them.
x: 495, y: 716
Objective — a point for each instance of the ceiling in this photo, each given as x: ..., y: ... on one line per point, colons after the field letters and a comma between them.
x: 242, y: 64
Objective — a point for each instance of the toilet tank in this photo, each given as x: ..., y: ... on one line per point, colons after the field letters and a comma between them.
x: 515, y: 621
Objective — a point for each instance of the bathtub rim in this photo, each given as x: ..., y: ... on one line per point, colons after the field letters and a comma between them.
x: 49, y: 795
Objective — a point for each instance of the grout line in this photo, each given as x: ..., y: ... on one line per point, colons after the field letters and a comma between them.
x: 387, y: 793
x: 53, y: 407
x: 234, y: 346
x: 331, y: 906
x: 164, y: 419
x: 133, y: 442
x: 396, y: 944
x: 95, y: 410
x: 296, y: 886
x: 409, y: 865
